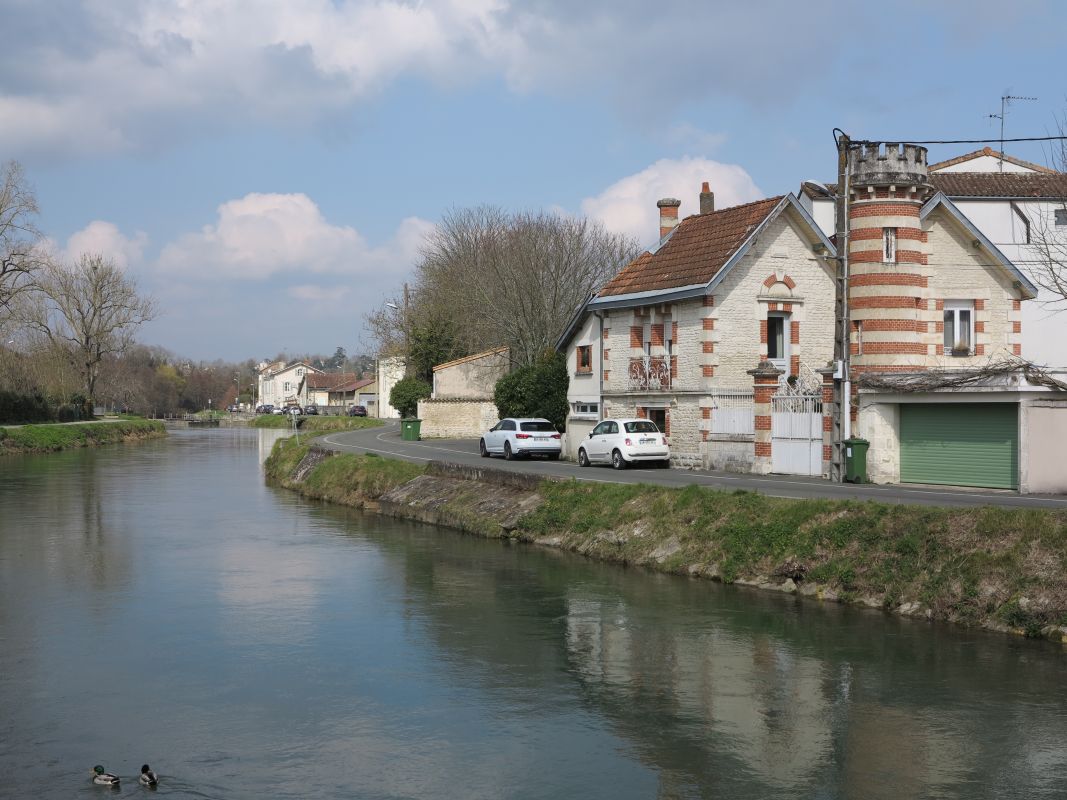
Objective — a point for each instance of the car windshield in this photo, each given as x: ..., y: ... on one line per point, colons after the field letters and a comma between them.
x: 540, y: 427
x: 641, y: 426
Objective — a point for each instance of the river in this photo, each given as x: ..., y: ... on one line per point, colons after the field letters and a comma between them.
x: 160, y: 604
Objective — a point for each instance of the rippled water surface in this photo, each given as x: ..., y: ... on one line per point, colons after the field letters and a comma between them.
x: 160, y: 604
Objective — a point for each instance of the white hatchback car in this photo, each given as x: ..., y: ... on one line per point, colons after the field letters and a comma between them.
x: 513, y: 437
x: 622, y: 442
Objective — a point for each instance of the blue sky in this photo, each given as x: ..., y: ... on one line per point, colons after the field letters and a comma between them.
x: 267, y: 169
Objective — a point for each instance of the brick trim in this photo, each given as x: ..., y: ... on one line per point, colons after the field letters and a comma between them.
x: 888, y: 279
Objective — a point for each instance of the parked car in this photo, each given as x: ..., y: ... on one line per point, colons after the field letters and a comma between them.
x: 357, y: 411
x: 513, y: 438
x: 277, y: 410
x: 621, y: 442
x: 232, y: 408
x: 294, y: 410
x: 265, y: 408
x: 311, y: 409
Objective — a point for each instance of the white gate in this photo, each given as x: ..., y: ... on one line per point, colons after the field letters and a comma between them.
x: 796, y: 434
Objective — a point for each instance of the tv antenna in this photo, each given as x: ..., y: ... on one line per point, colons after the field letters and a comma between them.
x: 1005, y: 101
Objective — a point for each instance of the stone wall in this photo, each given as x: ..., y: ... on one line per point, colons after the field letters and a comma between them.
x: 456, y: 419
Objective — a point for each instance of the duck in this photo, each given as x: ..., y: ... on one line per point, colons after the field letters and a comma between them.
x: 148, y: 778
x: 102, y: 778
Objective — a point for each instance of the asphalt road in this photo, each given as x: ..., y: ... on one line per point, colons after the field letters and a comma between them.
x: 386, y: 441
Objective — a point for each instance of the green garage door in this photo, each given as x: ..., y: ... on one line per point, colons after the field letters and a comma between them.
x: 960, y: 444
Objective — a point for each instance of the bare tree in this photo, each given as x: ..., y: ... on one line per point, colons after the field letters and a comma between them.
x: 88, y: 310
x: 20, y: 254
x: 1048, y: 229
x: 489, y: 278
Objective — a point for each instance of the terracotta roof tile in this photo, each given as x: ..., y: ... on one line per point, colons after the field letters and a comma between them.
x: 328, y: 380
x: 1052, y: 186
x: 695, y: 251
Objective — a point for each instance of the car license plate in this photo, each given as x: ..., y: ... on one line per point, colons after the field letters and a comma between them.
x: 540, y: 438
x: 648, y: 441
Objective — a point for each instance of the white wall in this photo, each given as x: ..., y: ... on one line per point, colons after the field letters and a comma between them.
x: 390, y: 370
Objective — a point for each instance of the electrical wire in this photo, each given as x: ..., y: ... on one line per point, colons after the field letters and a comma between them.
x: 859, y: 142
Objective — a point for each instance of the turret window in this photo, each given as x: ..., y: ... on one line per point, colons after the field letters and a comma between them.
x: 889, y: 245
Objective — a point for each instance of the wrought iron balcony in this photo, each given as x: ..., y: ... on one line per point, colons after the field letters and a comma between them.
x: 650, y: 373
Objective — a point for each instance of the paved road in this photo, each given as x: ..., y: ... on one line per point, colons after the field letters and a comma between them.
x: 387, y: 442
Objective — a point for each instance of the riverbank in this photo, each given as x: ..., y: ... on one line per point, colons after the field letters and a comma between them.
x: 315, y: 424
x: 64, y: 436
x: 996, y: 568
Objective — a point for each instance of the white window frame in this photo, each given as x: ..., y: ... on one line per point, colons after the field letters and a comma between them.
x: 1059, y: 217
x: 782, y: 362
x: 889, y: 245
x: 954, y: 327
x: 584, y: 409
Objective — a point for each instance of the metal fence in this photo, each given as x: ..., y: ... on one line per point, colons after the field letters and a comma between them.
x: 650, y: 373
x: 733, y: 412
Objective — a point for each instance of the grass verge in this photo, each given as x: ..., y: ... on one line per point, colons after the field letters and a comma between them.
x: 314, y: 424
x: 345, y: 478
x: 63, y: 436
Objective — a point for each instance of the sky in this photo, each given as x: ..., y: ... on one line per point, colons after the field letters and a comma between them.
x: 267, y: 169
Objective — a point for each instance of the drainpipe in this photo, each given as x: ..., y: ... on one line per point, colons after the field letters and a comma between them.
x: 600, y: 372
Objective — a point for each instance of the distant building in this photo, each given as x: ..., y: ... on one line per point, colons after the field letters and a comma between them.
x: 461, y: 405
x: 284, y: 384
x: 389, y: 372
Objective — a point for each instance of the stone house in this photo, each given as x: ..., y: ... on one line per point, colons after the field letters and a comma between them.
x: 675, y: 335
x: 461, y: 405
x: 283, y: 384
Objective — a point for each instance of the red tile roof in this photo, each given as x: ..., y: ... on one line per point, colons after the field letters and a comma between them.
x: 328, y: 380
x: 1048, y: 186
x: 695, y: 251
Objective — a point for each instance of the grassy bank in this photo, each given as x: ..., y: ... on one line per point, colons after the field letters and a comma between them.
x: 1000, y: 568
x: 315, y: 424
x: 978, y: 566
x: 348, y: 479
x: 63, y: 436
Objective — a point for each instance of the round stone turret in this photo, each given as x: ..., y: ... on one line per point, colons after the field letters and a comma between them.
x: 889, y: 164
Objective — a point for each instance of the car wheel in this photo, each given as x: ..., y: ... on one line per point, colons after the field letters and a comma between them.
x: 482, y: 449
x: 617, y: 460
x: 583, y: 459
x: 508, y: 455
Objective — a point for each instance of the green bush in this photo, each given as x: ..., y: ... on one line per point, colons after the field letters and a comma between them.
x: 18, y: 408
x: 406, y: 395
x: 539, y: 390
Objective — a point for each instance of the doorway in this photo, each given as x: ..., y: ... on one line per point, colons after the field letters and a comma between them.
x: 659, y: 416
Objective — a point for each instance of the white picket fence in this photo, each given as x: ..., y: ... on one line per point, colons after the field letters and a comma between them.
x: 796, y: 434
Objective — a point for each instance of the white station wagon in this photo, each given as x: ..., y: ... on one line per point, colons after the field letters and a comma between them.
x: 622, y: 442
x: 513, y: 438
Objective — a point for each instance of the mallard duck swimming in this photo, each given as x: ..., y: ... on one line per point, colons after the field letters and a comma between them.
x: 148, y: 778
x: 103, y: 778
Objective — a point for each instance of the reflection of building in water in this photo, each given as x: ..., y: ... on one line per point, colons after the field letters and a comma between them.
x: 267, y: 438
x: 760, y: 701
x: 902, y: 752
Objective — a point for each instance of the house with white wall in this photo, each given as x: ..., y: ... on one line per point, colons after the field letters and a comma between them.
x: 283, y: 384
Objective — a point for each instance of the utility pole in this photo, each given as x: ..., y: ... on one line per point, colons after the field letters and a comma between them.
x: 842, y: 341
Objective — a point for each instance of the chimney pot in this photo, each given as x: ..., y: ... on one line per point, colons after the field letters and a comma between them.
x: 707, y: 199
x: 668, y: 215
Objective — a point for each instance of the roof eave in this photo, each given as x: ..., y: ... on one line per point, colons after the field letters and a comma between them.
x: 941, y: 199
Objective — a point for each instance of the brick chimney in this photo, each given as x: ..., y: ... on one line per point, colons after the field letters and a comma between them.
x: 668, y: 215
x: 707, y: 199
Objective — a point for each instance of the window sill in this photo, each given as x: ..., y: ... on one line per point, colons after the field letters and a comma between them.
x: 583, y: 373
x: 961, y: 353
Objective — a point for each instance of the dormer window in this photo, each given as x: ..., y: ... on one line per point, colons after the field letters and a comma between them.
x: 889, y: 245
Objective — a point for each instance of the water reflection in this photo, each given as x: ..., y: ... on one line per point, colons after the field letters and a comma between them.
x: 289, y: 649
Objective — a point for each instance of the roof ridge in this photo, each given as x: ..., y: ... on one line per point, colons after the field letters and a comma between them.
x: 734, y: 208
x: 989, y: 151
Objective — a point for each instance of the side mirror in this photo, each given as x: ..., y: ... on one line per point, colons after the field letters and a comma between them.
x: 590, y: 434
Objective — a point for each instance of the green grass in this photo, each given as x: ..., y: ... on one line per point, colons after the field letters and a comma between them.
x: 62, y: 436
x: 313, y: 424
x: 348, y: 479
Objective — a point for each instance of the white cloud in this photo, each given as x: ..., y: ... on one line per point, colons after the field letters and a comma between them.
x: 629, y: 205
x: 260, y: 235
x: 106, y: 239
